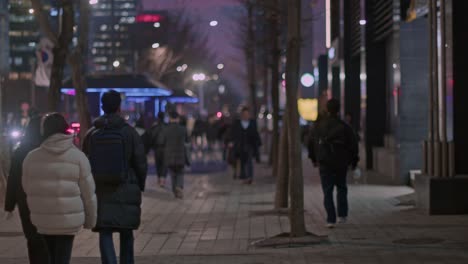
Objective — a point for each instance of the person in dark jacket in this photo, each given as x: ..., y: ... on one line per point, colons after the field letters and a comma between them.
x: 119, y: 207
x: 154, y: 134
x: 245, y: 141
x: 334, y: 150
x: 174, y: 140
x: 15, y: 195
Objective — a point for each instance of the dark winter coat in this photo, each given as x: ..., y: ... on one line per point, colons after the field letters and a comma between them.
x: 119, y: 207
x: 246, y: 141
x: 343, y: 139
x: 174, y: 139
x: 15, y: 195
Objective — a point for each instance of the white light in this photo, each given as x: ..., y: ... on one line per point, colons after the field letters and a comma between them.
x: 188, y: 92
x: 362, y: 22
x: 155, y: 45
x: 269, y: 116
x: 31, y: 11
x: 157, y: 25
x: 222, y: 89
x: 283, y: 76
x: 214, y: 23
x: 316, y: 72
x: 116, y: 63
x: 199, y: 77
x: 184, y: 67
x: 395, y: 66
x: 342, y: 76
x: 93, y: 2
x: 202, y: 76
x: 331, y: 53
x: 307, y: 80
x: 15, y: 134
x: 220, y: 66
x: 327, y: 23
x: 179, y: 68
x: 363, y: 76
x: 103, y: 27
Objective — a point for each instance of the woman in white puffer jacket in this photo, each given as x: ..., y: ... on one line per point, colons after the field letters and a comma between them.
x: 60, y: 189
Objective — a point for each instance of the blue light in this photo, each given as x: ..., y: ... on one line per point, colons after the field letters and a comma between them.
x: 53, y: 12
x: 183, y: 100
x: 130, y: 92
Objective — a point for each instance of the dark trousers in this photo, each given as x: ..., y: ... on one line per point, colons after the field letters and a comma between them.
x: 59, y: 248
x: 177, y: 177
x: 246, y: 170
x: 161, y: 169
x: 37, y: 247
x: 106, y: 245
x: 331, y: 178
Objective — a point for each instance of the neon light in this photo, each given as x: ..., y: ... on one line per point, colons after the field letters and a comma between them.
x: 135, y: 92
x: 148, y: 18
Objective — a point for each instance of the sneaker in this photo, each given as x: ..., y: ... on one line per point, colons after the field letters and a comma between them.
x: 342, y: 220
x: 330, y: 225
x: 179, y: 193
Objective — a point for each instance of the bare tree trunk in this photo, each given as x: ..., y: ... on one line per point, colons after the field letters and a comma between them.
x: 60, y: 52
x: 275, y: 75
x: 250, y: 49
x: 79, y: 72
x: 296, y: 181
x: 282, y: 177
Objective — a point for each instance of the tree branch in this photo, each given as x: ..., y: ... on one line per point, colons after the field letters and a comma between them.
x: 44, y: 24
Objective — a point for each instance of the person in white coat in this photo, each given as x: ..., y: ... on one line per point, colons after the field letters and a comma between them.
x: 59, y: 188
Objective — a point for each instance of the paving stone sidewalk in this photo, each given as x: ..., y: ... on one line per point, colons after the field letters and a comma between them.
x: 220, y: 218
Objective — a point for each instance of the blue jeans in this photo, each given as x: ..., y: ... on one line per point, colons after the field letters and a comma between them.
x: 331, y: 178
x: 106, y: 245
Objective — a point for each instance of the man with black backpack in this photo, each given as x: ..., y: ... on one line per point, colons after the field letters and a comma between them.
x: 118, y: 164
x: 333, y: 147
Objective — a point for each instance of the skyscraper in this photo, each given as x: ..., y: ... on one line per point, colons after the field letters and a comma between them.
x: 110, y: 47
x: 4, y: 40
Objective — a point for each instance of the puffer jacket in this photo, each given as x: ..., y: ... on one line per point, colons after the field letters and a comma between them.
x: 59, y: 187
x: 119, y: 207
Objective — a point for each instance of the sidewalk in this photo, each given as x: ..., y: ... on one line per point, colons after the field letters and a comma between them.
x: 219, y: 218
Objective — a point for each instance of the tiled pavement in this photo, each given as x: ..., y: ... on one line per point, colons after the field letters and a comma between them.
x: 214, y: 224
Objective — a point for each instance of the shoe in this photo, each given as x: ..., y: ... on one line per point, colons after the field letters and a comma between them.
x: 162, y: 183
x: 330, y: 225
x: 179, y: 193
x: 342, y: 220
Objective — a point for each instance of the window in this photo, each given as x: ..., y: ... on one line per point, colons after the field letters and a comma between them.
x: 18, y: 61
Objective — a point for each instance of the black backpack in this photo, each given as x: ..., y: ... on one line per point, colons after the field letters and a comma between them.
x: 331, y: 147
x: 108, y: 158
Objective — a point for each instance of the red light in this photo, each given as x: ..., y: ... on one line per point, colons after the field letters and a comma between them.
x: 219, y: 114
x: 75, y: 125
x: 70, y: 131
x: 148, y: 18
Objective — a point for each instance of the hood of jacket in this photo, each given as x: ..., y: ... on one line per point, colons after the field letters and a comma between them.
x: 58, y: 143
x: 110, y: 121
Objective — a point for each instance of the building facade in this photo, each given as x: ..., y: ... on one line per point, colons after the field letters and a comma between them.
x: 110, y: 48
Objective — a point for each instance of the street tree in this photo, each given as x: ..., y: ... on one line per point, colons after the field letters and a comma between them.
x: 296, y: 181
x: 61, y: 40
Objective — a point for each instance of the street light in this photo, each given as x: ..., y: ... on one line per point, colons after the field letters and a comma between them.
x: 220, y: 66
x: 198, y: 78
x: 116, y: 63
x: 157, y: 25
x: 213, y: 23
x: 31, y: 11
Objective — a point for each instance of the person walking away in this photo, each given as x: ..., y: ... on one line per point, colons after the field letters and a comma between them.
x: 174, y: 140
x: 245, y: 141
x: 60, y: 189
x: 15, y: 196
x: 335, y: 149
x: 118, y: 162
x: 158, y: 150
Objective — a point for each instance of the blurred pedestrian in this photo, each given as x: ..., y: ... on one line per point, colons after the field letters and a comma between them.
x: 119, y: 167
x: 174, y: 139
x: 60, y: 189
x: 158, y: 149
x: 245, y: 141
x: 15, y: 196
x: 335, y: 149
